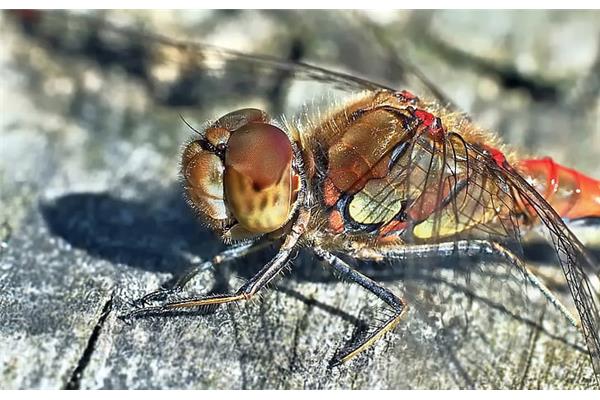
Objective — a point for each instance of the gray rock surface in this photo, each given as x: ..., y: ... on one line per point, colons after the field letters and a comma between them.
x: 92, y: 214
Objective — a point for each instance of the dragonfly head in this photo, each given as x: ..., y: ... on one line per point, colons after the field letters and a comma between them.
x: 240, y: 176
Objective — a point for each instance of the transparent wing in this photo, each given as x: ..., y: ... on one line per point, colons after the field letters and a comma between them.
x: 189, y: 73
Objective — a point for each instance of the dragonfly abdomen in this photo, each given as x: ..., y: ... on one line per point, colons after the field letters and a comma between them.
x: 572, y: 194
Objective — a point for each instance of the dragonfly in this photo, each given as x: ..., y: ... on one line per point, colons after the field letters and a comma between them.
x: 387, y: 175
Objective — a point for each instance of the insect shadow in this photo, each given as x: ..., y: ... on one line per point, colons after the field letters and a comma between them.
x: 148, y: 234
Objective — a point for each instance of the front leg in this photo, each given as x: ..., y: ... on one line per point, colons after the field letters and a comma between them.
x: 246, y: 291
x: 228, y: 255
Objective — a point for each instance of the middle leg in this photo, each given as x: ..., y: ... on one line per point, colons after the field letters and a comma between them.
x: 398, y: 305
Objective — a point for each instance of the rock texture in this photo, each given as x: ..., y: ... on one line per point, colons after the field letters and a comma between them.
x: 92, y: 214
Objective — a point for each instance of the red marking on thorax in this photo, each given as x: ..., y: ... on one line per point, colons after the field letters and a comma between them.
x: 336, y: 221
x: 427, y: 118
x: 433, y: 124
x: 392, y: 226
x: 497, y: 155
x: 408, y: 96
x: 330, y: 193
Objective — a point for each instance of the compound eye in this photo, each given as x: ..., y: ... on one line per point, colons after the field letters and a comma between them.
x: 260, y: 152
x: 260, y: 186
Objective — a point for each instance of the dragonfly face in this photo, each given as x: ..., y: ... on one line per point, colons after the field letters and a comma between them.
x: 240, y: 175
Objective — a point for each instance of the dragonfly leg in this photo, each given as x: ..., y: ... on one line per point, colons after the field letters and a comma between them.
x: 246, y: 291
x: 225, y: 256
x: 398, y: 305
x: 466, y: 247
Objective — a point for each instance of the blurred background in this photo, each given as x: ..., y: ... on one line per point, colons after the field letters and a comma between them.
x: 92, y: 210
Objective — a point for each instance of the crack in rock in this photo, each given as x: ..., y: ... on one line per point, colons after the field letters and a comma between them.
x: 75, y: 379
